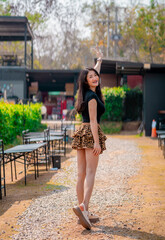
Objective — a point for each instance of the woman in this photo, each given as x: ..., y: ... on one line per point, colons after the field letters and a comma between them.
x: 89, y: 140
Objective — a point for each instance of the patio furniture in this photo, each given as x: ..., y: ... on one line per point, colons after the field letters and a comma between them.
x: 61, y: 137
x: 26, y: 154
x: 70, y: 128
x: 161, y: 119
x: 160, y: 139
x: 9, y: 60
x: 38, y: 137
x: 56, y: 140
x: 2, y: 170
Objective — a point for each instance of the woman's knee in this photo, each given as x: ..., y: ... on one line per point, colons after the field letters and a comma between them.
x: 81, y: 175
x: 90, y: 172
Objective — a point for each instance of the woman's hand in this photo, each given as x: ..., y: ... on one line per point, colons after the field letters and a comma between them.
x: 96, y: 149
x: 98, y: 52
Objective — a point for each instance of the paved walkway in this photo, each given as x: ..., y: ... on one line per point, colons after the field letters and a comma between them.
x: 128, y: 196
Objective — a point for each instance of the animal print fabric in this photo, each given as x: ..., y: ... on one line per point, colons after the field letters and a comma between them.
x: 83, y: 138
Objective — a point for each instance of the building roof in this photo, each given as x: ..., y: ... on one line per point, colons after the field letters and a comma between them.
x: 130, y: 68
x: 13, y: 28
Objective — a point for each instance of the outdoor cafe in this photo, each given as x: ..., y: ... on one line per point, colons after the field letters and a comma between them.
x: 44, y: 148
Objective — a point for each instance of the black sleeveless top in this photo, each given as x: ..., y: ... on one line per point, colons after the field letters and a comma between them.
x: 89, y: 95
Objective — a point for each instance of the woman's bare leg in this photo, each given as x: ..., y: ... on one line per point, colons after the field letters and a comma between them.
x: 81, y: 165
x: 91, y: 166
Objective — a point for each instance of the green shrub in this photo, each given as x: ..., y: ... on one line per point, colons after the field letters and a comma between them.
x: 121, y: 103
x: 15, y: 118
x: 113, y: 103
x: 133, y: 104
x: 78, y: 117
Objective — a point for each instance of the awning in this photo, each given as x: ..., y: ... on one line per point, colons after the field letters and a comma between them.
x: 14, y: 28
x: 130, y: 68
x: 52, y: 80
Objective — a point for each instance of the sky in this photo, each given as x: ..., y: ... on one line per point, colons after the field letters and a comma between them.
x: 54, y: 24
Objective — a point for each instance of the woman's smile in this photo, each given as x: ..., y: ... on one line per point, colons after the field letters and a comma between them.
x: 92, y: 79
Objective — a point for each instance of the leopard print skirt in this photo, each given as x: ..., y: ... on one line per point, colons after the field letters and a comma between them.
x: 83, y: 138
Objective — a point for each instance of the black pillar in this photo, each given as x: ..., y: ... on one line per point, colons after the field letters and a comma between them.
x: 32, y: 54
x: 25, y: 38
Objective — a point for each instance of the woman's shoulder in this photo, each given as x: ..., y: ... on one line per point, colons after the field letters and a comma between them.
x: 90, y: 95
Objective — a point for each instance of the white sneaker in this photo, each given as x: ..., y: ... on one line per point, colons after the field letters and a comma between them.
x: 82, y: 215
x: 93, y: 218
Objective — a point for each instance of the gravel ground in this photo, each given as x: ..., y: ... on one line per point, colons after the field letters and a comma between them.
x: 43, y: 219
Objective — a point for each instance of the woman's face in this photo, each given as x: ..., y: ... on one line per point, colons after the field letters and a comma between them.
x: 92, y: 79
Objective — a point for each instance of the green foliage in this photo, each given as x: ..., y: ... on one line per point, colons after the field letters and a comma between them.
x: 16, y: 141
x: 5, y: 8
x: 15, y: 118
x: 35, y: 19
x: 144, y: 32
x: 133, y: 103
x: 122, y: 103
x: 78, y: 117
x: 113, y: 103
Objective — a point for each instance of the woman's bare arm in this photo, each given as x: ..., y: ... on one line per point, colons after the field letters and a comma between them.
x: 98, y: 66
x: 99, y: 59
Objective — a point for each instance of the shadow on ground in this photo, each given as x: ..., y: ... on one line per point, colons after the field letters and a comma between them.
x: 122, y: 232
x: 16, y: 191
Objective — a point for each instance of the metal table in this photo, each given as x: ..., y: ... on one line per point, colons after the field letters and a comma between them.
x: 56, y: 133
x: 16, y: 153
x: 42, y: 139
x: 51, y: 142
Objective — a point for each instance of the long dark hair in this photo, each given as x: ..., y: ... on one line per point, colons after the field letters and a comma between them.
x: 83, y: 87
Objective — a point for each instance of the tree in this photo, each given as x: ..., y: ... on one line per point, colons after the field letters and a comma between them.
x: 97, y: 22
x: 144, y: 34
x: 58, y: 42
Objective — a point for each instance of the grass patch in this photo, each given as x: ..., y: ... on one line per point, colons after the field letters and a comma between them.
x: 51, y: 187
x: 140, y: 134
x: 111, y: 127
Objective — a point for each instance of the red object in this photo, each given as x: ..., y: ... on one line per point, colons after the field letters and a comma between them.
x: 63, y: 105
x: 49, y: 107
x: 153, y: 134
x: 134, y: 80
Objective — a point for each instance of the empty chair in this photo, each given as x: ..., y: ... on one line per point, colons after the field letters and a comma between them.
x: 38, y: 137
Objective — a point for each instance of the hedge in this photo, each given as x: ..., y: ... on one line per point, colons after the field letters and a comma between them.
x: 15, y: 118
x: 133, y: 104
x: 121, y: 104
x: 114, y: 98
